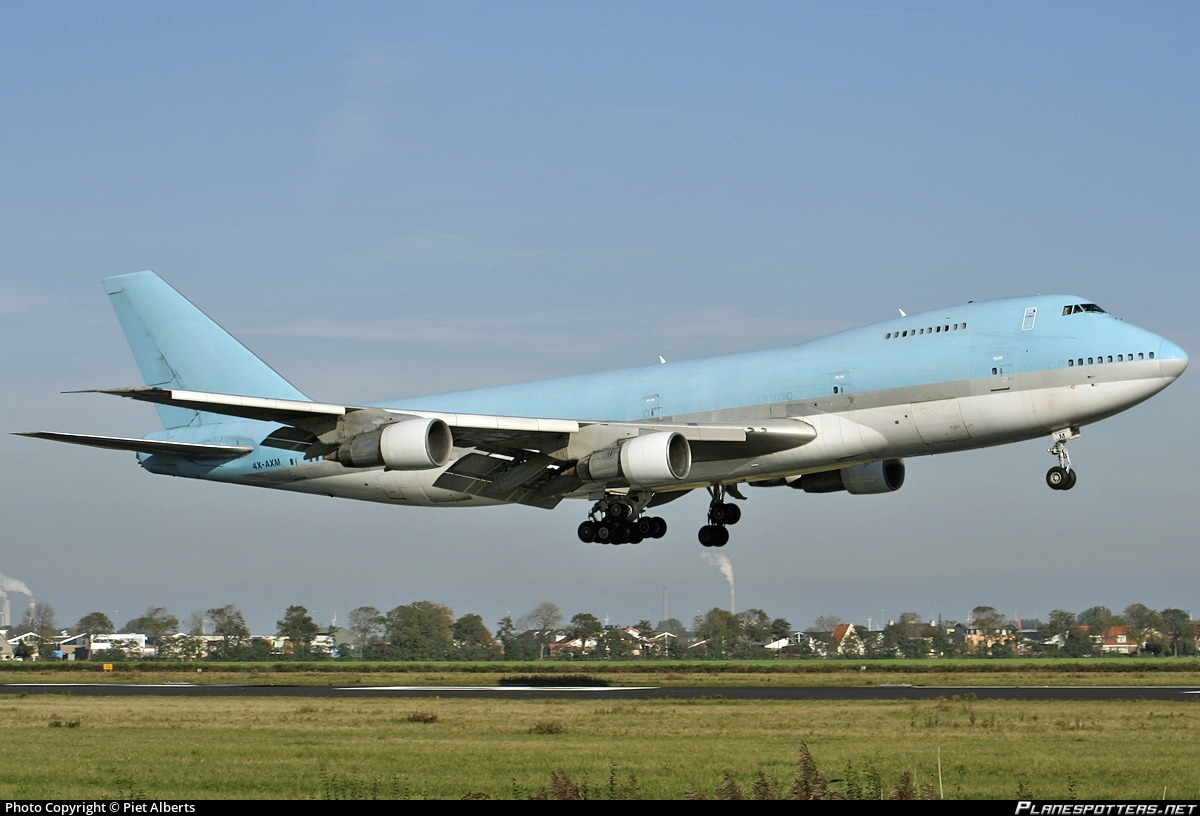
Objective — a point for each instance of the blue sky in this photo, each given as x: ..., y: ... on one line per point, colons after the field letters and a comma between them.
x: 394, y: 199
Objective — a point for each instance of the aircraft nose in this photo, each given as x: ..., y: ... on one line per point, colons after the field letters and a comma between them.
x: 1172, y: 360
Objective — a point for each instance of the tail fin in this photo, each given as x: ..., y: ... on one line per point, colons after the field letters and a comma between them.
x: 178, y: 346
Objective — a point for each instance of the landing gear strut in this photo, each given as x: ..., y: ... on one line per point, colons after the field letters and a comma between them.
x: 720, y: 514
x: 1062, y: 475
x: 617, y: 519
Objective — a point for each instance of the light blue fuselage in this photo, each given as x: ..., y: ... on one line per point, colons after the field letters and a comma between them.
x: 964, y: 377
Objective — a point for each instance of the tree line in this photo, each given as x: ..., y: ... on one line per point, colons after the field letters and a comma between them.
x: 426, y: 630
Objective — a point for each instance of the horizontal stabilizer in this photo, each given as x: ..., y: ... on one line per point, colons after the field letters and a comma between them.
x: 153, y: 446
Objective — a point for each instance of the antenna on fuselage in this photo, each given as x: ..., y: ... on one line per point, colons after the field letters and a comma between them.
x: 902, y: 314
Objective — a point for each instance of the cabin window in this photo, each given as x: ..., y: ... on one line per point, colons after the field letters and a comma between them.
x: 1071, y: 363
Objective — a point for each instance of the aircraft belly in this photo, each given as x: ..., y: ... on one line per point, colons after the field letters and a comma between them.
x: 940, y: 421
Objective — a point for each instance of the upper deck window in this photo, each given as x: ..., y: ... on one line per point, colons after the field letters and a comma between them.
x: 1078, y: 308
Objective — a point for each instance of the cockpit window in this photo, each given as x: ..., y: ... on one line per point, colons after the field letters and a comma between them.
x: 1078, y: 308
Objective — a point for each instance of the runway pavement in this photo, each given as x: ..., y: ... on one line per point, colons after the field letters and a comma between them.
x: 883, y: 692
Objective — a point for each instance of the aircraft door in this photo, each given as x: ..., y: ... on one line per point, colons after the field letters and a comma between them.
x: 1000, y: 369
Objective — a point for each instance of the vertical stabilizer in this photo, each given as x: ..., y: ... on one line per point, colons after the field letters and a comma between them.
x: 178, y: 346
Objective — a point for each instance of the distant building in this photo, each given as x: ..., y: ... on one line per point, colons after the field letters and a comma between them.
x: 1118, y: 640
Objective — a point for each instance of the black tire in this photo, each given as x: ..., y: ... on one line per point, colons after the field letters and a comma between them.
x: 587, y: 532
x: 1057, y: 477
x: 618, y: 511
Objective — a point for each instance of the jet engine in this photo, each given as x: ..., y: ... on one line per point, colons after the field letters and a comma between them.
x: 411, y: 444
x: 651, y: 459
x: 875, y: 477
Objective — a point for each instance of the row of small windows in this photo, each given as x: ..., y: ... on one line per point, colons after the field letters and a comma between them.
x: 1099, y: 360
x: 929, y: 330
x: 1102, y: 359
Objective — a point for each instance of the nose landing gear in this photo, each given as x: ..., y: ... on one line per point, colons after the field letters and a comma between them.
x: 1062, y: 475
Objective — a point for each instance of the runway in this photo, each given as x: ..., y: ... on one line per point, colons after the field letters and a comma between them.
x: 884, y: 692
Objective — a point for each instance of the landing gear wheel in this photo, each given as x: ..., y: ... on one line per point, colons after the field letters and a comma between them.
x: 587, y: 532
x: 650, y: 527
x: 724, y: 513
x: 618, y: 511
x: 713, y: 535
x: 1059, y: 478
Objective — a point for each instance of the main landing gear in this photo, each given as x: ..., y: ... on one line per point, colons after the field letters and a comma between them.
x: 720, y: 514
x: 619, y: 520
x: 1062, y: 475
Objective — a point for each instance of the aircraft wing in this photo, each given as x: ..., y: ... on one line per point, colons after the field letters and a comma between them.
x: 492, y: 432
x: 470, y: 430
x: 190, y: 450
x: 529, y: 460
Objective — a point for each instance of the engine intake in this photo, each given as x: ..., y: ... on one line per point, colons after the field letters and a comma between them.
x: 651, y: 459
x: 875, y: 477
x: 412, y: 444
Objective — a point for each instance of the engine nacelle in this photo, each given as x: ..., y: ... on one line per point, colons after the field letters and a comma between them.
x: 411, y: 444
x: 875, y: 477
x: 650, y: 459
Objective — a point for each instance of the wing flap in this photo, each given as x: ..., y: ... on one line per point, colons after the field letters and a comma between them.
x: 535, y: 480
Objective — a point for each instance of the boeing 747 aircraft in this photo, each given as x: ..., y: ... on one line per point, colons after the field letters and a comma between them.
x: 835, y: 413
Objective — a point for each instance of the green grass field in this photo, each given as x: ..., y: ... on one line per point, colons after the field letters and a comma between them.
x: 63, y: 747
